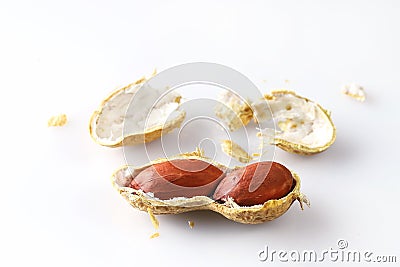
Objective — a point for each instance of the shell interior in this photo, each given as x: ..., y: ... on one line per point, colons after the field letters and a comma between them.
x: 299, y: 120
x: 134, y: 110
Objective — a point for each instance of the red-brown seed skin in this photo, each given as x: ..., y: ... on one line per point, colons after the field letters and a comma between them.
x: 274, y: 180
x: 179, y: 178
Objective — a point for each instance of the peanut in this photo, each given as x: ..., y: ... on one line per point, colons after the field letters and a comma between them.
x: 255, y: 184
x: 178, y: 178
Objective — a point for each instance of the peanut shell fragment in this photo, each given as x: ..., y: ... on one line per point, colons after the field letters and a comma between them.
x: 252, y: 214
x: 235, y: 151
x: 59, y: 120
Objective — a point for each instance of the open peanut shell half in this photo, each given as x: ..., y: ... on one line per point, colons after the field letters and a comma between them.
x: 302, y: 126
x: 135, y: 114
x: 253, y: 214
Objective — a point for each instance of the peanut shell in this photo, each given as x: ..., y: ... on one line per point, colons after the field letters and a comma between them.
x: 254, y: 214
x: 107, y: 124
x: 304, y: 127
x: 298, y: 148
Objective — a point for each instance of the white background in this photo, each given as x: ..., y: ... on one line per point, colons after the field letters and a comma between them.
x: 57, y: 204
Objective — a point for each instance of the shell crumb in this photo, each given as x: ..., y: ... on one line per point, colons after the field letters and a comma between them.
x: 59, y: 120
x: 153, y: 218
x: 235, y: 151
x: 191, y: 224
x: 354, y: 91
x: 156, y: 234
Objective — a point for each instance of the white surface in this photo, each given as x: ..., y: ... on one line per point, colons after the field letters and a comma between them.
x: 57, y: 203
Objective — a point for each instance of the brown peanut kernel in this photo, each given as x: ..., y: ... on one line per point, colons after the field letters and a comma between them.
x: 178, y: 178
x: 255, y: 184
x: 247, y: 186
